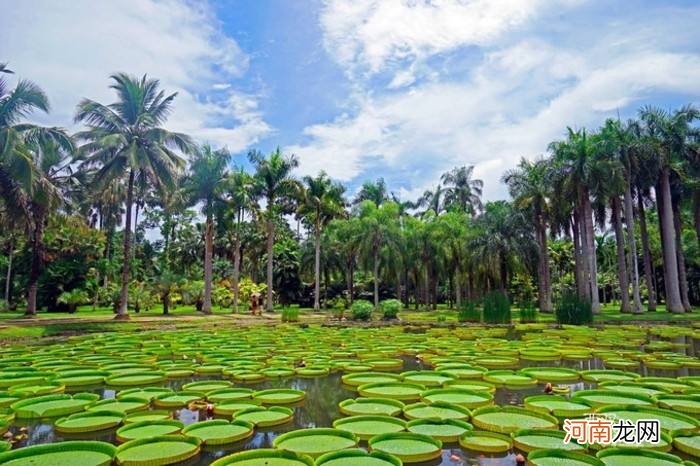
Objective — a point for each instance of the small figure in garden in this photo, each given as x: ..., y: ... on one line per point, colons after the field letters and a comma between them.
x: 548, y: 388
x: 254, y: 303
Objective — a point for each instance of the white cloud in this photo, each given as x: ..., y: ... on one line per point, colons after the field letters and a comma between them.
x: 70, y: 48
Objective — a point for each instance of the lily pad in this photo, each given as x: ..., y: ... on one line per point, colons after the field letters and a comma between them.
x: 463, y: 397
x: 357, y: 457
x: 157, y: 451
x: 395, y: 390
x: 279, y: 396
x: 637, y: 456
x: 147, y: 394
x: 688, y: 443
x: 360, y: 406
x: 688, y: 404
x: 315, y: 442
x: 562, y: 458
x: 366, y: 427
x: 407, y: 446
x: 74, y: 453
x: 135, y: 379
x: 52, y: 405
x: 446, y: 430
x: 36, y: 389
x: 177, y: 399
x: 265, y: 457
x: 510, y: 379
x: 427, y: 378
x: 671, y: 421
x: 233, y: 406
x: 265, y: 417
x: 529, y: 440
x: 150, y: 415
x: 361, y: 378
x: 488, y: 442
x: 89, y: 421
x: 219, y: 431
x: 207, y: 386
x: 599, y: 398
x: 437, y: 410
x: 148, y: 429
x: 598, y: 375
x: 508, y: 419
x: 230, y: 394
x: 125, y: 405
x: 552, y: 374
x: 558, y: 406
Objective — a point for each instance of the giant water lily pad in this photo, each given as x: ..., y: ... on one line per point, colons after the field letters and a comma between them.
x: 148, y: 429
x: 81, y: 377
x: 689, y: 404
x: 52, y: 405
x: 157, y: 451
x: 135, y: 379
x: 89, y: 421
x: 372, y: 405
x: 150, y: 415
x: 265, y: 417
x: 366, y: 427
x: 475, y: 385
x: 230, y: 394
x: 671, y: 421
x: 508, y: 419
x: 637, y: 456
x: 316, y: 442
x: 407, y: 446
x: 463, y: 397
x: 667, y: 383
x: 76, y: 453
x: 446, y: 430
x: 219, y: 431
x: 552, y: 374
x: 634, y: 388
x: 462, y: 371
x: 36, y: 389
x: 233, y: 406
x: 427, y: 378
x: 125, y: 405
x: 146, y: 394
x: 558, y: 406
x: 403, y: 391
x: 559, y: 457
x: 599, y: 398
x: 688, y: 443
x: 361, y: 378
x: 529, y: 440
x: 598, y: 375
x: 207, y: 386
x: 510, y: 379
x: 265, y: 457
x: 489, y: 442
x: 437, y: 410
x: 177, y: 399
x: 279, y: 396
x: 357, y: 457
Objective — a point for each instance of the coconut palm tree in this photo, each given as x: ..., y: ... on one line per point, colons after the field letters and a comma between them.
x: 320, y: 200
x: 126, y: 139
x: 204, y: 184
x: 273, y: 182
x: 462, y: 191
x: 375, y: 191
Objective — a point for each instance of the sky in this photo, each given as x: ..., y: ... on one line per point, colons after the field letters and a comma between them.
x: 402, y: 89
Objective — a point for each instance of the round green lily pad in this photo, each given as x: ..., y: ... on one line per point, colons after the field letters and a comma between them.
x: 510, y: 379
x: 462, y: 371
x: 134, y: 379
x: 437, y: 410
x: 125, y: 405
x: 265, y: 417
x: 427, y: 378
x: 52, y: 405
x: 81, y: 377
x: 207, y: 386
x: 459, y: 396
x: 385, y: 364
x: 558, y: 406
x: 366, y: 427
x: 489, y: 442
x: 157, y: 451
x: 279, y: 396
x: 598, y: 375
x: 475, y: 385
x: 667, y: 383
x: 358, y: 457
x: 360, y: 406
x: 230, y: 394
x: 637, y: 456
x: 74, y: 453
x: 315, y: 442
x: 146, y: 394
x: 360, y: 378
x: 633, y: 387
x: 559, y: 457
x: 671, y: 421
x: 446, y: 430
x: 599, y: 398
x: 395, y: 390
x: 529, y: 440
x: 688, y: 404
x: 36, y: 389
x: 227, y: 408
x: 278, y: 372
x: 265, y: 457
x: 150, y: 415
x: 407, y: 446
x: 508, y: 419
x: 177, y: 399
x: 552, y: 374
x: 219, y: 431
x: 688, y: 443
x: 148, y: 429
x: 89, y: 421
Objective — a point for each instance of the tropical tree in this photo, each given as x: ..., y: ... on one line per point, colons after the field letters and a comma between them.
x: 462, y: 191
x: 126, y: 139
x: 375, y: 191
x: 320, y: 200
x: 273, y: 182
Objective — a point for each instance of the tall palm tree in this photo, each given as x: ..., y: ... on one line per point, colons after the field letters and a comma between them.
x: 432, y: 200
x: 375, y: 191
x: 462, y: 191
x: 126, y: 139
x: 203, y: 184
x: 275, y: 184
x: 531, y: 191
x: 320, y: 201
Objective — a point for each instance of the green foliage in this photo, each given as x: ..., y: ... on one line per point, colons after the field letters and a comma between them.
x: 193, y: 293
x: 246, y: 289
x: 469, y: 312
x: 497, y: 308
x: 222, y: 296
x: 73, y: 298
x: 441, y: 317
x: 572, y: 309
x: 390, y: 308
x: 528, y: 312
x: 290, y: 314
x: 362, y: 310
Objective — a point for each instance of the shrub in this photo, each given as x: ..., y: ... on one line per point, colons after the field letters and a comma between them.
x: 528, y: 313
x: 496, y: 308
x: 222, y: 296
x: 442, y: 317
x: 573, y: 309
x: 290, y: 314
x: 390, y: 308
x: 469, y: 312
x: 73, y: 299
x: 362, y: 310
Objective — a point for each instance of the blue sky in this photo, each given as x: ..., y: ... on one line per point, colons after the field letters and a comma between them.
x: 366, y: 88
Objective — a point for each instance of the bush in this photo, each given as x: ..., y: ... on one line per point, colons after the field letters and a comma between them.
x: 390, y: 308
x: 496, y: 308
x: 573, y: 309
x: 469, y: 312
x: 362, y: 310
x: 442, y: 317
x: 528, y: 313
x: 290, y: 314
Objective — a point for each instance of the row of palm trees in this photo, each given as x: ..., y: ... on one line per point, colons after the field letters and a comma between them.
x: 124, y: 160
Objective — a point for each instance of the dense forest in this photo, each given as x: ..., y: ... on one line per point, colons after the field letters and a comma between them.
x: 126, y: 214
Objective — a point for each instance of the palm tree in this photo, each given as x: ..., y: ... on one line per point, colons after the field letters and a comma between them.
x: 203, y: 184
x: 530, y: 189
x: 320, y: 201
x: 432, y: 200
x: 125, y: 138
x: 275, y: 184
x: 347, y: 233
x: 462, y: 191
x: 375, y: 191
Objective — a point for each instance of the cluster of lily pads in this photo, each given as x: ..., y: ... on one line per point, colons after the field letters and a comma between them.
x: 397, y: 416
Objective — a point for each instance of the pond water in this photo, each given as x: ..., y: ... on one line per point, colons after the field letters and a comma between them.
x: 320, y: 409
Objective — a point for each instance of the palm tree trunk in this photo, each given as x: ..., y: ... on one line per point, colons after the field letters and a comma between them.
x: 458, y: 287
x: 673, y: 295
x: 208, y: 258
x: 36, y: 264
x: 122, y: 311
x: 375, y: 272
x: 682, y: 277
x: 166, y: 304
x: 579, y: 263
x: 543, y: 295
x: 646, y: 253
x: 317, y: 269
x: 632, y: 251
x: 625, y: 305
x: 696, y: 214
x: 350, y: 279
x: 236, y: 270
x: 416, y: 288
x: 8, y: 275
x: 270, y: 243
x: 426, y: 287
x: 591, y: 253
